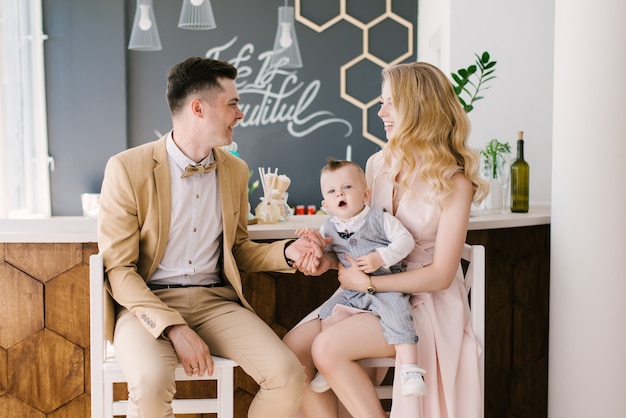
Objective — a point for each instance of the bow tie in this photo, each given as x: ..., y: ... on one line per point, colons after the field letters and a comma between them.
x: 190, y: 170
x: 345, y: 235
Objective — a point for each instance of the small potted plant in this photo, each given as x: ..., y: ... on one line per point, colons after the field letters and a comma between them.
x: 490, y: 154
x: 496, y: 167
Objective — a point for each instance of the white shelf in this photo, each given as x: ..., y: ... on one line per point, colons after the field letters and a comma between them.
x: 79, y: 229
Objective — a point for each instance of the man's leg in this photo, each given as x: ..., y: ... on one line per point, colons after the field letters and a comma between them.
x: 234, y: 332
x: 148, y: 365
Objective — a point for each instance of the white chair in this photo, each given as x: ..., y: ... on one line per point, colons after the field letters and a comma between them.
x: 474, y: 255
x: 105, y: 370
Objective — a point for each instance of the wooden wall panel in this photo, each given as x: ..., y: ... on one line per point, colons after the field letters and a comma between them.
x: 22, y: 307
x: 46, y: 371
x: 67, y: 304
x: 44, y: 261
x: 517, y: 318
x: 44, y: 361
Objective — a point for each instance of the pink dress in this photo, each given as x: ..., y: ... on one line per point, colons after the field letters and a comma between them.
x: 447, y: 348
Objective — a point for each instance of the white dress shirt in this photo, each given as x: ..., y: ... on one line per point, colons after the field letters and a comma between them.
x: 401, y: 240
x: 194, y: 243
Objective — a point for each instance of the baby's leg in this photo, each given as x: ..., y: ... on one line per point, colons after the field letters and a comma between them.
x: 407, y: 353
x: 411, y: 374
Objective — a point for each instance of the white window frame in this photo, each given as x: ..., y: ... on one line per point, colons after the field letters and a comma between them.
x: 24, y: 159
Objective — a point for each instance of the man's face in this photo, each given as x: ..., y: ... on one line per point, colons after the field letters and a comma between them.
x: 222, y: 113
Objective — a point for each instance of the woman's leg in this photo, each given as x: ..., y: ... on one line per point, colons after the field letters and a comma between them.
x: 299, y: 340
x: 335, y: 352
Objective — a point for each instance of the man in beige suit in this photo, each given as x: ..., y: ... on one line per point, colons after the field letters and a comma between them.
x: 172, y: 229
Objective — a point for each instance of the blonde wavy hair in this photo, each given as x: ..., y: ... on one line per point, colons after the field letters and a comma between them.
x: 431, y: 124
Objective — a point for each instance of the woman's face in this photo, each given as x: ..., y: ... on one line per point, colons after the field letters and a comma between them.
x: 387, y: 112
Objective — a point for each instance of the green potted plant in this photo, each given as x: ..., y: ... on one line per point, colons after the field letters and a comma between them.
x: 490, y: 153
x: 468, y: 84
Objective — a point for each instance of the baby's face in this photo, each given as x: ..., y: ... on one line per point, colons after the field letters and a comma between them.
x: 345, y: 192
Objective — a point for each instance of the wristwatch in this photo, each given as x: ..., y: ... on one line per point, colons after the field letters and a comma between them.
x: 371, y: 289
x: 289, y: 261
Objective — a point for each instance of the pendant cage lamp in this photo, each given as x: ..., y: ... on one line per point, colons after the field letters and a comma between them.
x: 286, y: 52
x: 144, y: 35
x: 196, y: 15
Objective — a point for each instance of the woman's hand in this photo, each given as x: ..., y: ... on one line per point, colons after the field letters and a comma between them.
x: 352, y: 278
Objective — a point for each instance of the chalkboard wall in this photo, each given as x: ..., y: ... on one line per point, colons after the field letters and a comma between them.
x: 104, y: 98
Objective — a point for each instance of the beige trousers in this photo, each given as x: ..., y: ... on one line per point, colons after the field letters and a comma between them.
x: 230, y: 331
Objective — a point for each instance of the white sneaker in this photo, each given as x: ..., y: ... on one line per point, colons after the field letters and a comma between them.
x: 413, y: 380
x: 319, y: 384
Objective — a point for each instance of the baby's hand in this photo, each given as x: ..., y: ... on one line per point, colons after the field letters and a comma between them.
x: 306, y: 232
x: 370, y: 263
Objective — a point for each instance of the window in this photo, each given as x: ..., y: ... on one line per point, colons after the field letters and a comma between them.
x: 24, y: 175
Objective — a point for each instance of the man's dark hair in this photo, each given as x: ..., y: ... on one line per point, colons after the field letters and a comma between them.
x: 193, y: 75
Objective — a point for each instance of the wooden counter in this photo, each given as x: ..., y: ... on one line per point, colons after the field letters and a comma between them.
x: 44, y: 336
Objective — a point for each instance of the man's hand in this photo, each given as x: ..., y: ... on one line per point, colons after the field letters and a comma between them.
x: 192, y: 351
x: 308, y: 249
x: 312, y: 266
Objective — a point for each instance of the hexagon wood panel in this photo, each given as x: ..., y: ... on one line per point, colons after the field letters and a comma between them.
x: 67, y: 304
x: 79, y: 407
x: 44, y: 370
x: 4, y: 378
x: 44, y: 261
x: 14, y: 408
x: 22, y: 306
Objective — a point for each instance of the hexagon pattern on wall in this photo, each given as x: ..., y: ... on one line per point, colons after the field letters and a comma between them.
x: 49, y: 385
x: 14, y: 408
x: 390, y: 22
x: 3, y: 371
x: 24, y: 295
x: 79, y: 407
x: 67, y: 305
x: 52, y: 259
x: 44, y: 348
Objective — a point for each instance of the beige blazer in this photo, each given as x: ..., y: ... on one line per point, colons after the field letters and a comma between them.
x: 134, y: 223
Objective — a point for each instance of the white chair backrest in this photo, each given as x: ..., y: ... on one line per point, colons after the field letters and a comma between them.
x: 474, y: 278
x: 475, y: 285
x: 105, y: 370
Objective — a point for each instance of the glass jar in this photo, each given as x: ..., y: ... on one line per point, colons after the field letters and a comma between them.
x: 268, y: 211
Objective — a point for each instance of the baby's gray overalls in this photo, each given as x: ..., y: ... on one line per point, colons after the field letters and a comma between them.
x: 393, y: 308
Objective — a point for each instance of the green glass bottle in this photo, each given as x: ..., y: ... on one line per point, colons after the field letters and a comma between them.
x: 520, y: 173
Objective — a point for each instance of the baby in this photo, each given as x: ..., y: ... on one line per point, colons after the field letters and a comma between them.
x: 378, y: 242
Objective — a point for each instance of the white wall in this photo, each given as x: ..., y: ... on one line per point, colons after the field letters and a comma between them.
x: 587, y: 288
x: 520, y: 36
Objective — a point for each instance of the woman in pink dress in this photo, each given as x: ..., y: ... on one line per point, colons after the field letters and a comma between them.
x: 426, y: 176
